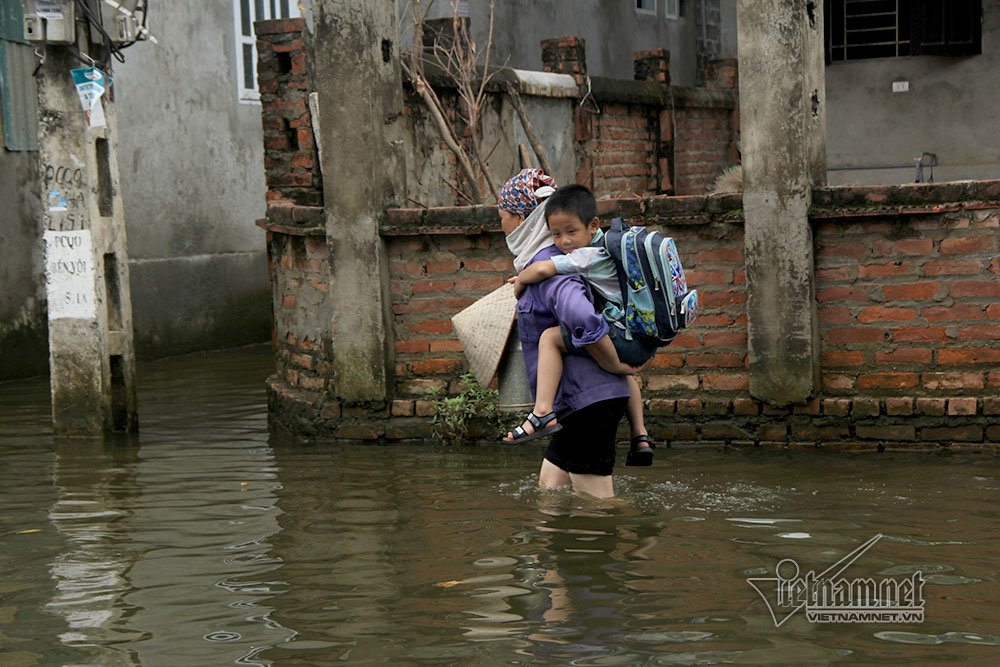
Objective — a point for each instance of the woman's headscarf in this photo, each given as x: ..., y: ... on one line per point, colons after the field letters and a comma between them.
x: 523, y: 195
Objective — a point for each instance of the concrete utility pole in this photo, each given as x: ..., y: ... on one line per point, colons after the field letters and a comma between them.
x: 91, y: 358
x: 359, y: 83
x: 782, y: 103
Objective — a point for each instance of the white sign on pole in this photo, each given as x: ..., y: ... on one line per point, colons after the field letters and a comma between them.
x: 69, y: 275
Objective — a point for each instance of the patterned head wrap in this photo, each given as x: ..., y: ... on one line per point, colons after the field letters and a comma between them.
x: 518, y: 193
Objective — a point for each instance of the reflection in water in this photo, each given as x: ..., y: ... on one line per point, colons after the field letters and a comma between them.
x: 96, y: 489
x: 204, y: 544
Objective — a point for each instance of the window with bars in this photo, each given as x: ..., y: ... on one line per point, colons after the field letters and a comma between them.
x: 671, y: 8
x: 246, y: 12
x: 859, y: 29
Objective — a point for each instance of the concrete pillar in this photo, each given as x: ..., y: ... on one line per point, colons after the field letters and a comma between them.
x: 784, y: 157
x: 91, y: 358
x: 359, y: 85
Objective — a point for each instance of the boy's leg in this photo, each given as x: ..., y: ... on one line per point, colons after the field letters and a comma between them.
x: 637, y: 422
x: 550, y: 367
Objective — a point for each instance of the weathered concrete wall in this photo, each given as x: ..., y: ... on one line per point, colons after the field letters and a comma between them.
x: 23, y: 323
x: 612, y: 31
x: 193, y: 184
x: 908, y: 280
x: 950, y: 110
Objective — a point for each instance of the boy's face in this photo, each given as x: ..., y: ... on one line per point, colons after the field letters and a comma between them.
x: 569, y: 232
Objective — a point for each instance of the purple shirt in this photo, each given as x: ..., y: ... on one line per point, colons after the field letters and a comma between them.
x: 566, y: 300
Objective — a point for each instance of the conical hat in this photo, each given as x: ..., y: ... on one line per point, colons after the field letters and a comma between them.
x: 483, y: 328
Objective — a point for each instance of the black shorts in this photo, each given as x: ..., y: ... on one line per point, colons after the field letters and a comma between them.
x: 586, y: 443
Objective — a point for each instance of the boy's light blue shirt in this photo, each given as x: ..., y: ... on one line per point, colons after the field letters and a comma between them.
x: 595, y: 264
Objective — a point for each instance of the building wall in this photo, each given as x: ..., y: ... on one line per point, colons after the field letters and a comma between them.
x: 611, y: 30
x: 873, y: 134
x: 23, y: 320
x: 190, y: 156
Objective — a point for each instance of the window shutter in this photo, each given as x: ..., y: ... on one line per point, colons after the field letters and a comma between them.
x: 947, y: 27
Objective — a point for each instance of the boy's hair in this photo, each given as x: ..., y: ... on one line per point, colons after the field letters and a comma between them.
x: 576, y: 200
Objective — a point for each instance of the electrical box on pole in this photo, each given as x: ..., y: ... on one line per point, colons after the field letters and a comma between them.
x: 50, y: 21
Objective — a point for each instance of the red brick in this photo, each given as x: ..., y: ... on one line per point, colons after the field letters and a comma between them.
x: 401, y: 409
x: 496, y: 265
x: 993, y: 311
x: 421, y: 387
x: 916, y: 291
x: 810, y: 407
x: 932, y: 407
x: 865, y: 407
x: 968, y: 245
x: 686, y: 340
x: 898, y: 406
x: 810, y: 431
x: 667, y: 361
x: 719, y: 256
x: 834, y: 274
x: 993, y: 378
x: 897, y: 432
x: 714, y: 406
x: 885, y: 270
x: 993, y: 433
x: 943, y: 380
x: 989, y: 332
x: 436, y: 366
x: 968, y: 433
x: 723, y: 431
x: 851, y: 250
x: 721, y: 298
x: 952, y: 267
x: 303, y: 361
x: 962, y: 406
x: 968, y: 355
x: 983, y: 289
x: 423, y: 286
x: 842, y: 358
x: 897, y: 247
x: 446, y: 346
x: 443, y: 265
x: 412, y: 346
x: 672, y: 382
x: 884, y: 314
x: 888, y: 381
x: 919, y: 334
x: 480, y: 284
x: 855, y: 335
x: 837, y: 382
x: 676, y: 432
x: 956, y: 312
x: 991, y: 406
x: 661, y: 406
x: 912, y: 355
x: 836, y: 407
x: 715, y: 360
x: 424, y: 408
x: 748, y: 406
x: 774, y: 432
x: 841, y: 293
x: 289, y: 302
x: 725, y: 382
x: 717, y: 339
x: 430, y: 326
x: 689, y: 406
x: 699, y: 277
x: 830, y: 315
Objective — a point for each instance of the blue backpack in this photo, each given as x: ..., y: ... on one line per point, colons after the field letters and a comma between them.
x: 654, y: 290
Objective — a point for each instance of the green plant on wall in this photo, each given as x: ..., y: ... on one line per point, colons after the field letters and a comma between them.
x: 457, y: 414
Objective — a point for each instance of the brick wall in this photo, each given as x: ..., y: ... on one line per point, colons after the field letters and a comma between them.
x: 907, y: 293
x: 291, y: 163
x: 623, y: 150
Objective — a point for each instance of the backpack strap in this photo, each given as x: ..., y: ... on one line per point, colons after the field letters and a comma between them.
x: 613, y: 244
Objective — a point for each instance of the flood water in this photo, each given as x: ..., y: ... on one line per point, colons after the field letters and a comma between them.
x: 202, y: 543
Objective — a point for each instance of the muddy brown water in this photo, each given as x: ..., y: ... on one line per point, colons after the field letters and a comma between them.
x: 203, y: 542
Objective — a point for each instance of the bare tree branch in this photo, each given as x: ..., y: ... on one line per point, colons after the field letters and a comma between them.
x: 529, y: 129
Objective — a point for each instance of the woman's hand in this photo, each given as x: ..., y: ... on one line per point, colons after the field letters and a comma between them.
x: 518, y: 286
